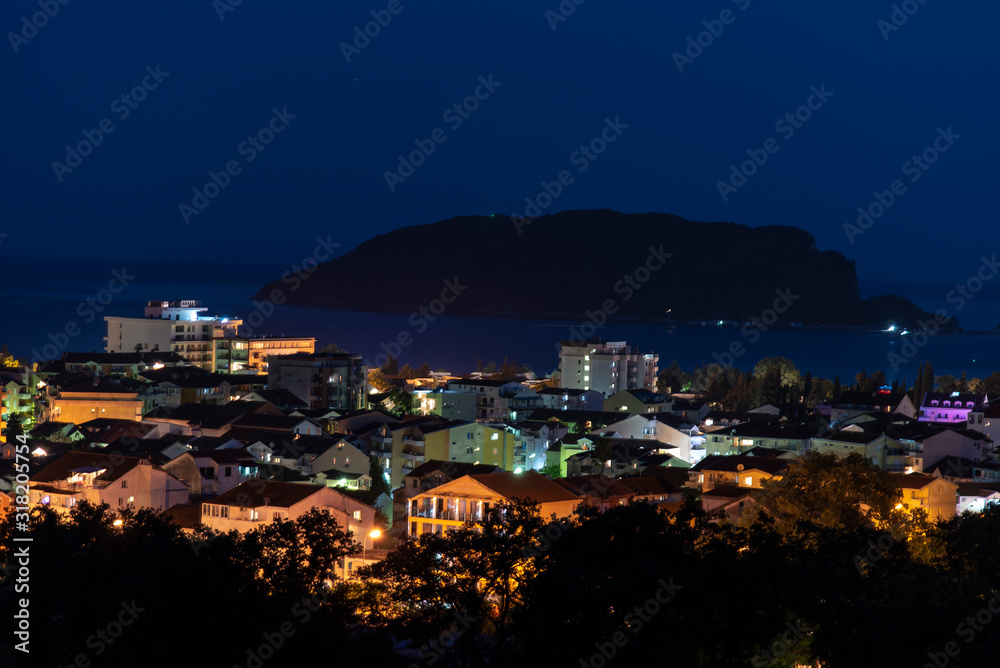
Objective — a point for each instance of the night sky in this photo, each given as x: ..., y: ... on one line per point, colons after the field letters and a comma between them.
x: 324, y: 172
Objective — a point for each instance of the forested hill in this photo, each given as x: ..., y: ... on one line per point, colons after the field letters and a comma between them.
x: 565, y: 264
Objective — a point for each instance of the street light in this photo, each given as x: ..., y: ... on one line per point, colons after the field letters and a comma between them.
x: 373, y: 535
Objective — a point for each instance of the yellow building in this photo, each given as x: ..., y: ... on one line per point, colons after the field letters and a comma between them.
x: 939, y: 497
x: 94, y: 398
x: 469, y: 499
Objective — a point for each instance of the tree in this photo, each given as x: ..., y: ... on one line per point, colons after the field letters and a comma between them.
x: 510, y: 370
x: 790, y: 376
x: 551, y: 471
x: 478, y: 572
x: 963, y: 383
x: 490, y: 369
x: 379, y: 483
x: 7, y: 360
x: 15, y: 427
x: 332, y: 348
x: 402, y: 401
x: 391, y: 366
x: 821, y: 490
x: 767, y: 385
x: 991, y: 385
x: 424, y: 371
x: 918, y: 392
x: 378, y: 380
x: 836, y: 386
x: 672, y: 379
x: 928, y: 383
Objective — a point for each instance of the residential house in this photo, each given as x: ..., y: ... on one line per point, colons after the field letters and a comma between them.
x: 95, y: 397
x: 571, y: 398
x: 105, y: 478
x: 470, y: 498
x: 937, y: 496
x: 851, y: 404
x: 637, y: 402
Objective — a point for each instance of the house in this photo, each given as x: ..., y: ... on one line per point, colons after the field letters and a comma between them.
x: 259, y: 502
x: 727, y: 501
x: 744, y: 436
x: 664, y: 427
x: 98, y: 478
x: 447, y: 404
x: 95, y: 397
x: 937, y: 496
x: 535, y: 439
x: 279, y: 422
x: 571, y: 398
x: 345, y: 480
x: 741, y: 470
x: 281, y: 399
x: 973, y: 497
x: 851, y: 404
x: 637, y: 401
x: 924, y: 444
x: 190, y: 385
x: 986, y: 420
x: 337, y: 453
x: 652, y: 489
x: 689, y: 410
x: 469, y: 499
x: 597, y: 490
x: 127, y: 364
x: 218, y: 471
x: 961, y: 469
x: 951, y: 407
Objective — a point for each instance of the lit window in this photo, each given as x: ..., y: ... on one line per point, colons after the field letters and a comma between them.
x: 357, y: 515
x: 748, y: 481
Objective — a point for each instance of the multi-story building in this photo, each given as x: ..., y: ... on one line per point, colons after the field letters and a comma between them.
x: 93, y: 398
x: 448, y: 404
x: 491, y: 395
x: 606, y: 366
x: 951, y: 407
x: 325, y: 380
x: 235, y: 354
x: 178, y: 326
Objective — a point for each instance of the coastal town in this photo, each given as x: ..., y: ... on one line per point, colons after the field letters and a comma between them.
x: 222, y: 430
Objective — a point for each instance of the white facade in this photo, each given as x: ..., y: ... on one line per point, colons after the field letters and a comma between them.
x: 606, y: 367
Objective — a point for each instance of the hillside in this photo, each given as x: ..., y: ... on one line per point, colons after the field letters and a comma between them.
x: 563, y: 265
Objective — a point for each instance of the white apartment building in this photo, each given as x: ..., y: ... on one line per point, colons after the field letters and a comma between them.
x: 606, y: 366
x: 178, y: 326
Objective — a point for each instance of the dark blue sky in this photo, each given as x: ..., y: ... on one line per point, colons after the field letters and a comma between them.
x: 324, y: 173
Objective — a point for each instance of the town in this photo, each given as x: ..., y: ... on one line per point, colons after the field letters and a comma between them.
x: 220, y: 430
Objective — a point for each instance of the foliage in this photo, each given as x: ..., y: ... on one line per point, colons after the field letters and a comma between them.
x: 377, y: 379
x: 332, y: 348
